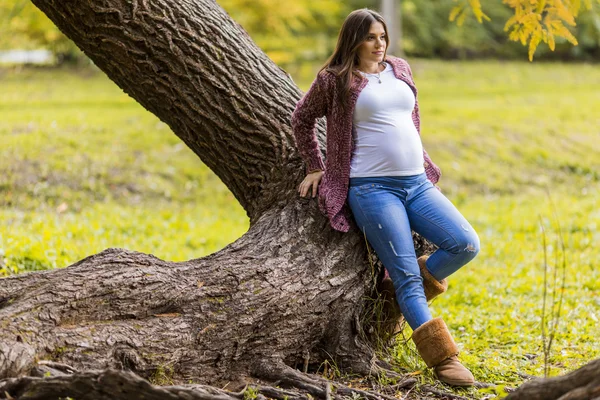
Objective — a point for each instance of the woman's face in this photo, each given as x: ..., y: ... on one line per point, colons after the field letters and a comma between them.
x: 373, y: 48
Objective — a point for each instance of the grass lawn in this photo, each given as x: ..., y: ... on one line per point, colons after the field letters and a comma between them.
x: 83, y: 167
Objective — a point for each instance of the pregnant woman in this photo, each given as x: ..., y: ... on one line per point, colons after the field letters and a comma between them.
x: 378, y: 174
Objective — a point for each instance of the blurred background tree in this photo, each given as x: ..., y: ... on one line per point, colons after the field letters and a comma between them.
x: 300, y: 34
x: 24, y: 26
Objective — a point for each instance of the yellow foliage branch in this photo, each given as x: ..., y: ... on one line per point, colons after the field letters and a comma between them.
x: 534, y: 21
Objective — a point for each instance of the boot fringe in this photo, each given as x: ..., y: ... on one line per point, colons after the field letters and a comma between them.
x: 434, y: 342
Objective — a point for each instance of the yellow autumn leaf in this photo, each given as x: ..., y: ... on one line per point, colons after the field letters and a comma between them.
x: 533, y: 44
x: 551, y: 43
x: 511, y: 21
x: 540, y: 6
x: 454, y: 12
x: 477, y: 11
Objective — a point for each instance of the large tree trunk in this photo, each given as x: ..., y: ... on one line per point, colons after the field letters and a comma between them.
x: 289, y: 292
x: 211, y: 319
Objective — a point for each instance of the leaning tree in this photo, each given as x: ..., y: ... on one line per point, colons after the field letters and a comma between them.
x: 289, y: 293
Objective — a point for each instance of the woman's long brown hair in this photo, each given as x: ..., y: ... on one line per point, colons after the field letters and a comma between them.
x: 344, y: 59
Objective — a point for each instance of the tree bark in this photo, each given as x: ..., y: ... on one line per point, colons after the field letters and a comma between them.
x: 291, y: 290
x: 582, y: 384
x: 198, y: 71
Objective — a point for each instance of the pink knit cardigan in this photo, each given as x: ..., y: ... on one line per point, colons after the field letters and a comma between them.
x: 318, y: 102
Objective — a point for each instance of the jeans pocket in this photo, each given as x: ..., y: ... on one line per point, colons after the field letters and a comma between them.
x: 364, y: 189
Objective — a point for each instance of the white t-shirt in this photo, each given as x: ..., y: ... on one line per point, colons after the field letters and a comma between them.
x: 386, y: 140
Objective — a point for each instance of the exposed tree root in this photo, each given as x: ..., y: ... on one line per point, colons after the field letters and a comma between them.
x: 56, y: 380
x: 441, y: 393
x: 105, y: 385
x: 53, y: 380
x: 580, y: 384
x: 314, y: 385
x: 280, y: 394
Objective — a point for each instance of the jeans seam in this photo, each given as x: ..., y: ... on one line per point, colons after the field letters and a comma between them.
x: 439, y: 226
x: 447, y: 233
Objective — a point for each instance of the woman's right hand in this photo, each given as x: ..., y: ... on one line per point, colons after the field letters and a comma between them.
x: 310, y: 182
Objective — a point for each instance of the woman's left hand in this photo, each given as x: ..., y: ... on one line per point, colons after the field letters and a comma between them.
x: 311, y: 181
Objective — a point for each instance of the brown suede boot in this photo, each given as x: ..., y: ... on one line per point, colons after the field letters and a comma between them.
x: 432, y: 286
x: 438, y: 350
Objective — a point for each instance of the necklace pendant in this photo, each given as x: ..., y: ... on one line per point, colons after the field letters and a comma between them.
x: 379, y: 80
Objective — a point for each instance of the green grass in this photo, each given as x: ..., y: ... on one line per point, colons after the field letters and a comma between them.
x: 493, y: 305
x: 511, y: 128
x: 83, y: 167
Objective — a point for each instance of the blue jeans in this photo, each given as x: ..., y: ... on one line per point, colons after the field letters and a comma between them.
x: 386, y: 209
